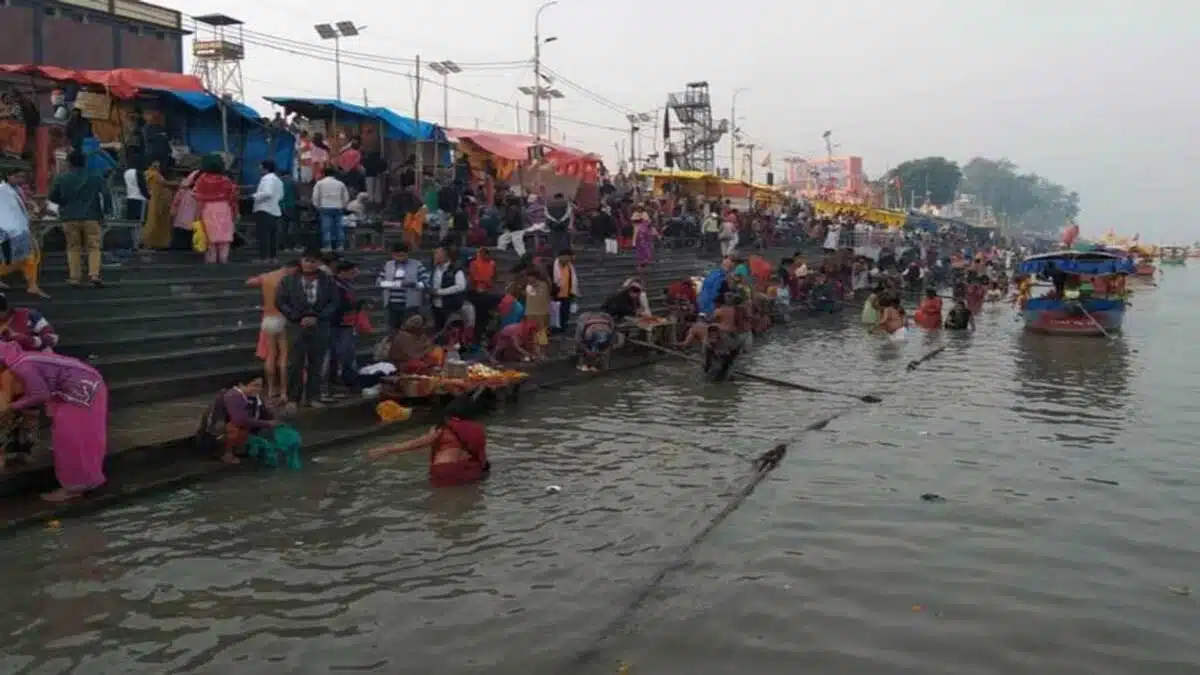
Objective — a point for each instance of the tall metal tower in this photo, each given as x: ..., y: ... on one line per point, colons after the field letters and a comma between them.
x: 218, y: 50
x: 693, y: 142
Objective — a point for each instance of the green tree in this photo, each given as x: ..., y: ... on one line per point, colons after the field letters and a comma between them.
x: 1027, y: 200
x: 934, y: 177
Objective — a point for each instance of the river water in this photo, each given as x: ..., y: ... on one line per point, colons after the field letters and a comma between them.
x: 1067, y: 533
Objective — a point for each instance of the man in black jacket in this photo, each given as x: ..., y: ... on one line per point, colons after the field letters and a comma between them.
x: 310, y: 302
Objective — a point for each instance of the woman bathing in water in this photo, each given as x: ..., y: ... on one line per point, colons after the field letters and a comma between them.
x: 891, y: 319
x: 457, y: 447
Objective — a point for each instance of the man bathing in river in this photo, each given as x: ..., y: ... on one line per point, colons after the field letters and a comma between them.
x: 725, y: 338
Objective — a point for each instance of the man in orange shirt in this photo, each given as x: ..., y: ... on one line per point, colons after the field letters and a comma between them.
x: 272, y: 338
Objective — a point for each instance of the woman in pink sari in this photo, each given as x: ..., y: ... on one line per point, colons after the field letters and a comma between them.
x: 76, y: 400
x: 217, y: 201
x: 184, y: 212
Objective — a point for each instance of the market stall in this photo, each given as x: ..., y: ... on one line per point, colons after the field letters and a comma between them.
x: 114, y: 114
x: 893, y: 220
x: 512, y: 159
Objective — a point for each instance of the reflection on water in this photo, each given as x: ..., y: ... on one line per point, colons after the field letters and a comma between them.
x: 1082, y: 385
x: 1068, y: 471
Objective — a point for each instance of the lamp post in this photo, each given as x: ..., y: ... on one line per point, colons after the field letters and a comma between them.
x: 445, y: 69
x: 634, y: 121
x: 539, y: 94
x: 335, y: 32
x: 733, y: 129
x: 537, y: 68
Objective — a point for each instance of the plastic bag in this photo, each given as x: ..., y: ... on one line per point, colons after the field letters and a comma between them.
x: 199, y: 237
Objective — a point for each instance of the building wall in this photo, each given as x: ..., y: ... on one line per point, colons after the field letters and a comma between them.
x: 90, y: 34
x: 16, y: 34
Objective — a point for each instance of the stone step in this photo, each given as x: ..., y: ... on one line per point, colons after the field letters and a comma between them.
x: 86, y: 313
x: 101, y: 334
x: 137, y: 285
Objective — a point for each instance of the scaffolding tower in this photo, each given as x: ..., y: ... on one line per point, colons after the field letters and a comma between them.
x: 218, y: 50
x: 693, y: 140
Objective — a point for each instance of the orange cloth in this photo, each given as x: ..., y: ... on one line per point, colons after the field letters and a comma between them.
x: 483, y: 274
x: 566, y: 286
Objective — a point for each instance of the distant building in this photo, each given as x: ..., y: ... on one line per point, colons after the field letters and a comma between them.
x: 838, y: 178
x: 91, y: 34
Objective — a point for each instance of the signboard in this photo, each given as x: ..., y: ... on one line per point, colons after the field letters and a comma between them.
x: 94, y: 105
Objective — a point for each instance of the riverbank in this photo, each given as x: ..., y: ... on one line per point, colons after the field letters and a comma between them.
x: 173, y: 461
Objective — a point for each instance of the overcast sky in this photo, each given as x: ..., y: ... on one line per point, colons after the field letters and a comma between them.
x: 1099, y: 95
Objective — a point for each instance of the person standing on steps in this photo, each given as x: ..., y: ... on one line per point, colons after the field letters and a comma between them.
x: 565, y: 285
x: 309, y: 301
x: 404, y: 281
x: 448, y: 286
x: 81, y: 198
x: 216, y: 198
x: 268, y: 198
x: 330, y: 197
x: 136, y: 191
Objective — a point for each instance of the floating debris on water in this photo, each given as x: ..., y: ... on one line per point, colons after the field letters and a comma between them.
x: 932, y: 497
x: 553, y: 489
x: 1185, y: 591
x: 1102, y: 481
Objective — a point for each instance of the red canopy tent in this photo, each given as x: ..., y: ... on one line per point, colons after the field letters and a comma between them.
x: 122, y: 82
x: 515, y: 147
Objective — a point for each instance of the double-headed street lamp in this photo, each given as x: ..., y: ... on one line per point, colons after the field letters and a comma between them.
x: 445, y: 69
x: 634, y: 121
x: 549, y: 95
x: 335, y: 32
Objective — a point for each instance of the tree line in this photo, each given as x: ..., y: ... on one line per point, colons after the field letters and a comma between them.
x: 1026, y: 201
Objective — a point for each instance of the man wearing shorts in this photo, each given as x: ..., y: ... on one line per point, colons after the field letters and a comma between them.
x: 272, y: 340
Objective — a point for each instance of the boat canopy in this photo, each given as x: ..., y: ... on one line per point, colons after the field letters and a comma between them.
x: 1092, y: 263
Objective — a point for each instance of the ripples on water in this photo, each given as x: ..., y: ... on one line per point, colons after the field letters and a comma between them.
x: 1036, y: 563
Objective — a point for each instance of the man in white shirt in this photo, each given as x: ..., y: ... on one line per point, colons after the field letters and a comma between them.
x: 135, y: 197
x: 330, y: 197
x: 267, y: 198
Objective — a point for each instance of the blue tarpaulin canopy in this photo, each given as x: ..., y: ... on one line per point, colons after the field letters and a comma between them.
x: 395, y: 126
x: 202, y: 101
x: 249, y: 138
x: 1091, y: 263
x: 406, y: 128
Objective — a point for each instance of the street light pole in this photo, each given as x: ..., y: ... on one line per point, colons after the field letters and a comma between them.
x: 336, y: 32
x: 733, y: 128
x: 537, y: 69
x: 445, y: 69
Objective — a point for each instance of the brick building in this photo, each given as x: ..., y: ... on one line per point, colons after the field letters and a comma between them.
x: 91, y: 34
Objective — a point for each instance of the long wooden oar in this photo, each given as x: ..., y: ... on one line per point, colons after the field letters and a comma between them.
x: 760, y: 378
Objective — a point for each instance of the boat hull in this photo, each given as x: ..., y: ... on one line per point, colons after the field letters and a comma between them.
x: 1146, y: 271
x: 1071, y: 321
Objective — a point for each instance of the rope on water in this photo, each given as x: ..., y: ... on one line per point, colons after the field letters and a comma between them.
x: 764, y: 464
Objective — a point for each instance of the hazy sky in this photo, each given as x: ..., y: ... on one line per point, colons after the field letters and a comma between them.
x: 1097, y: 95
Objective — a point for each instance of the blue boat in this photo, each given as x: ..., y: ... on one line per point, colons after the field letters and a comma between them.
x: 1077, y: 313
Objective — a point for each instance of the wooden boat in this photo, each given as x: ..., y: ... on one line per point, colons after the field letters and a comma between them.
x: 1078, y: 313
x: 1174, y: 255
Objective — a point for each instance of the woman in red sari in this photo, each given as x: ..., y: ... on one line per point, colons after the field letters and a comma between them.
x: 216, y: 199
x: 929, y: 313
x: 457, y: 449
